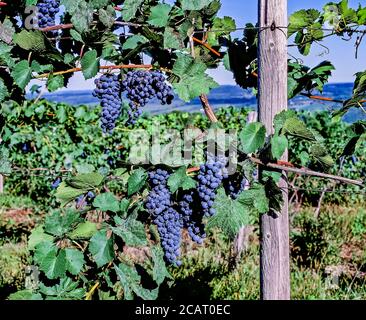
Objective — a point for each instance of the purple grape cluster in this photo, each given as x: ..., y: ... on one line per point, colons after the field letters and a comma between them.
x: 84, y: 199
x: 166, y: 218
x: 47, y: 10
x: 56, y: 183
x: 141, y: 87
x: 108, y: 90
x: 210, y: 177
x: 26, y: 148
x: 191, y: 217
x: 235, y: 185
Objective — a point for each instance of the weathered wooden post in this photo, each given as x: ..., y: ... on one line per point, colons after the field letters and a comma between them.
x: 272, y: 99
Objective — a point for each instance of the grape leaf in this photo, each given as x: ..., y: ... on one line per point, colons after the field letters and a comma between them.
x: 132, y: 232
x: 179, y: 179
x: 106, y: 202
x: 22, y: 74
x: 136, y: 181
x: 90, y: 64
x: 130, y: 8
x: 195, y: 4
x: 101, y: 247
x: 74, y: 260
x: 252, y: 137
x: 230, y: 215
x: 159, y: 15
x: 193, y: 81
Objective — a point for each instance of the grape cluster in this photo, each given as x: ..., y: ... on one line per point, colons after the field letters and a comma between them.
x: 56, y: 183
x: 47, y: 10
x: 141, y: 87
x: 191, y: 217
x: 166, y: 218
x: 210, y: 177
x: 26, y: 148
x: 84, y: 199
x: 108, y: 90
x: 235, y: 185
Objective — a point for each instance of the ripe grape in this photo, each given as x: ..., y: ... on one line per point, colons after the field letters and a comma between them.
x: 84, y: 199
x: 165, y: 217
x: 191, y: 217
x: 235, y: 184
x: 26, y: 147
x: 210, y: 177
x: 108, y: 90
x: 56, y: 183
x: 141, y: 87
x: 47, y: 10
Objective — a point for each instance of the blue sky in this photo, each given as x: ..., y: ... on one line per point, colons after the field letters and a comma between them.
x: 342, y: 53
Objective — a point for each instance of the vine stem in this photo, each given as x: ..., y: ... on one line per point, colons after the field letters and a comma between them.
x: 70, y: 26
x: 207, y: 46
x: 326, y: 98
x: 208, y: 109
x: 123, y: 66
x: 91, y: 292
x: 308, y: 172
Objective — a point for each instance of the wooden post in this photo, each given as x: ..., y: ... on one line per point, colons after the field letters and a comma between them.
x: 272, y: 99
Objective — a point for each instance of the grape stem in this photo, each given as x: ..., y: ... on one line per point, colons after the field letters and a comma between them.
x: 207, y: 46
x: 308, y: 172
x: 208, y: 109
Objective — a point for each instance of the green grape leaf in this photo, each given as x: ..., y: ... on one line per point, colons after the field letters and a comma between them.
x: 74, y: 260
x: 193, y: 81
x: 55, y: 82
x: 37, y: 236
x: 101, y: 247
x: 160, y: 272
x: 279, y: 144
x: 26, y: 294
x: 90, y: 64
x: 65, y: 194
x: 22, y: 74
x: 131, y: 283
x: 83, y: 230
x: 252, y: 137
x: 172, y: 39
x: 132, y: 232
x: 30, y: 40
x: 50, y: 260
x: 107, y: 16
x: 255, y: 197
x: 195, y: 4
x: 134, y: 41
x: 136, y: 181
x: 106, y: 202
x: 230, y: 215
x: 67, y: 289
x: 58, y: 223
x: 130, y: 8
x: 86, y: 181
x: 159, y: 15
x: 179, y: 179
x: 297, y: 128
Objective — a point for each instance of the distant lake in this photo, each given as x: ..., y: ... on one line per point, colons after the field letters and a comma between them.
x: 224, y: 96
